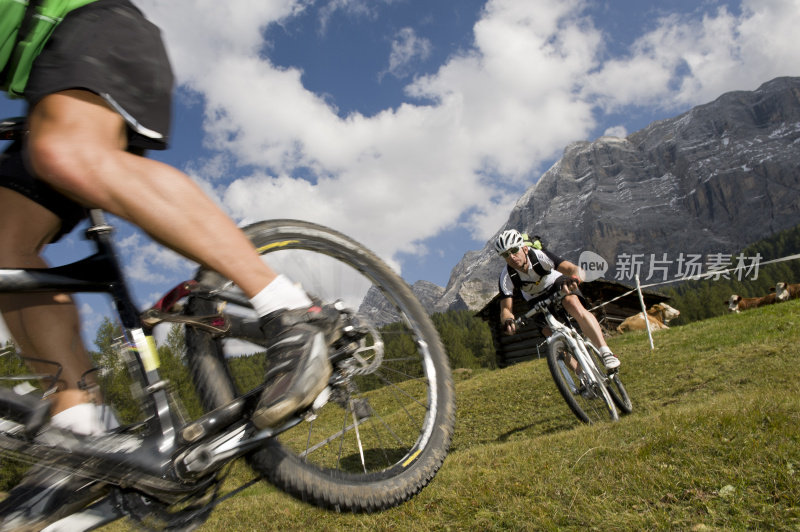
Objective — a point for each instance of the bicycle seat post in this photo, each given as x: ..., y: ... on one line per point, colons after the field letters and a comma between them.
x: 98, y: 220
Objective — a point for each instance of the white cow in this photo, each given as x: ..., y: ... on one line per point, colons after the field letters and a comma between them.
x: 657, y: 318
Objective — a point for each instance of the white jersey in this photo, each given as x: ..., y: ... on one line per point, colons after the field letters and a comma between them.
x: 532, y: 284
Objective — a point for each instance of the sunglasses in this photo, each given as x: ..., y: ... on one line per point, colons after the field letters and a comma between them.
x: 509, y: 251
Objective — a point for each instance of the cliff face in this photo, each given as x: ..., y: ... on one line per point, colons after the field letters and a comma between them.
x: 709, y: 181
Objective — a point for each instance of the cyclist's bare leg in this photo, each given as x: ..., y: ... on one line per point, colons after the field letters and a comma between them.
x: 77, y: 144
x: 585, y: 319
x: 43, y: 326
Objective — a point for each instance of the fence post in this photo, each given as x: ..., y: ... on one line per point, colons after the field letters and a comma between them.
x: 644, y: 313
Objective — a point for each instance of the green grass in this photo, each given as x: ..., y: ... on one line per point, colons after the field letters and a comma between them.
x: 713, y: 444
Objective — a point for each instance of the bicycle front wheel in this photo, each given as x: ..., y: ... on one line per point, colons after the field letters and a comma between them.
x: 579, y: 385
x: 614, y: 384
x: 387, y: 426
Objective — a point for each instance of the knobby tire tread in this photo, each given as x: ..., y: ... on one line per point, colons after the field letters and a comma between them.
x: 279, y: 465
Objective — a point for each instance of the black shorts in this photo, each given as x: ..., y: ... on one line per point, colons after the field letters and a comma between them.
x: 557, y: 310
x: 15, y: 176
x: 109, y: 48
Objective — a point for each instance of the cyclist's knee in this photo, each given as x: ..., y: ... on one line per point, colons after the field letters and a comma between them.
x: 572, y: 304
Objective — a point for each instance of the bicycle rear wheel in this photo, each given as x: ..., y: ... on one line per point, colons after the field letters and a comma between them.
x: 387, y: 427
x: 580, y: 386
x: 614, y: 384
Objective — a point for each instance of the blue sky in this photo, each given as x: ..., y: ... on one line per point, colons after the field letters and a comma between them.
x: 415, y: 125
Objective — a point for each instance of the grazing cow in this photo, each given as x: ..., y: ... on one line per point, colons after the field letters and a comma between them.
x: 738, y: 303
x: 785, y: 291
x: 657, y: 318
x: 794, y: 291
x: 781, y: 291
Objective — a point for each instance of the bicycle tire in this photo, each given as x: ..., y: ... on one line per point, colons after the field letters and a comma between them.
x: 614, y: 384
x: 358, y: 465
x: 589, y: 404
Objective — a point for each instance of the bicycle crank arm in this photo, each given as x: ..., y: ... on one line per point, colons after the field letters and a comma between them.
x: 207, y: 457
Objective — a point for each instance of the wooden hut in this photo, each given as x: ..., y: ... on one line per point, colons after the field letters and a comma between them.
x: 529, y: 342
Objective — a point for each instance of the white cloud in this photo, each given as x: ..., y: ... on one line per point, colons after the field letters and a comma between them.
x: 616, y: 131
x: 481, y: 128
x: 685, y: 61
x: 348, y: 7
x: 407, y: 47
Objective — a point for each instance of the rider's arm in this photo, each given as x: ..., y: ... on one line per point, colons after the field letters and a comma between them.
x: 506, y: 289
x: 570, y: 270
x: 507, y: 315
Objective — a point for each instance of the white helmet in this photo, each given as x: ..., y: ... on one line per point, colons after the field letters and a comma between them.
x: 510, y: 238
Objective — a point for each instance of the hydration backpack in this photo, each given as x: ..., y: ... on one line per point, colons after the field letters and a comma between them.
x: 534, y: 242
x: 25, y: 26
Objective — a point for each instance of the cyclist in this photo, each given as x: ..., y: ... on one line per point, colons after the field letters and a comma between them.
x: 538, y: 274
x: 98, y: 95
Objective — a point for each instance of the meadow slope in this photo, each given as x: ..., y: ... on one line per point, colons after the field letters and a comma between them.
x: 713, y: 443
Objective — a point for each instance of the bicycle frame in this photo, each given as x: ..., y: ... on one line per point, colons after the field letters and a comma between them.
x: 101, y: 273
x: 192, y: 450
x: 576, y: 342
x: 567, y: 333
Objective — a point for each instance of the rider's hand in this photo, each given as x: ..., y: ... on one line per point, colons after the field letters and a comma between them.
x: 509, y: 327
x: 567, y: 284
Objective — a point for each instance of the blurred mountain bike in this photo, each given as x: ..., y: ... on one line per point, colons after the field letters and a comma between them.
x: 373, y: 438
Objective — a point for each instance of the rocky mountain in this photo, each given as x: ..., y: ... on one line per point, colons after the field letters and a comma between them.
x: 706, y: 183
x: 429, y: 294
x: 381, y: 312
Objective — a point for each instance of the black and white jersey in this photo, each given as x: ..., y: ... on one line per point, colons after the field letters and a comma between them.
x: 540, y: 276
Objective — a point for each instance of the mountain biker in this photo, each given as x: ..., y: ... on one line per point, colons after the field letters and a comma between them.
x: 538, y: 274
x: 98, y: 95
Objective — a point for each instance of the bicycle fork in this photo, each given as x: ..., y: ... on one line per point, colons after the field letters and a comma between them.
x: 594, y: 378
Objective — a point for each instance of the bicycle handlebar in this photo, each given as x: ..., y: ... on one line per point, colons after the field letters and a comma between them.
x: 539, y: 307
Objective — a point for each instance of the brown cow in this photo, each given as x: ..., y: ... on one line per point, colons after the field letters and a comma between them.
x: 781, y: 291
x: 794, y: 290
x: 738, y: 303
x: 785, y: 291
x: 657, y: 317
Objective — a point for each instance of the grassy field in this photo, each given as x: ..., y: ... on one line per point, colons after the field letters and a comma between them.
x: 713, y: 444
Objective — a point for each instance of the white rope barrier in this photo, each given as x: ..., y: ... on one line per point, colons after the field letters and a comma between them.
x: 715, y: 273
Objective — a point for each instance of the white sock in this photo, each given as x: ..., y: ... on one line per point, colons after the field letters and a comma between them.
x: 280, y: 294
x: 605, y: 349
x: 86, y: 419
